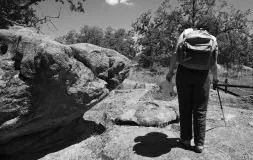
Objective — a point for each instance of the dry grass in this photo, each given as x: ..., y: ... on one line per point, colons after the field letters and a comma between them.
x: 234, y: 76
x: 238, y: 77
x: 145, y: 75
x: 167, y: 90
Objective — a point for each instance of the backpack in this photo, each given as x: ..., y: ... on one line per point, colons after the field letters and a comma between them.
x: 197, y: 50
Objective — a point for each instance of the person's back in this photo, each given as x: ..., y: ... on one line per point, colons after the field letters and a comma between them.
x: 196, y: 49
x: 196, y: 52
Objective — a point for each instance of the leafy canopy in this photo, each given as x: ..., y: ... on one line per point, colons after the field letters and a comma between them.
x: 158, y: 31
x: 21, y: 12
x: 119, y: 40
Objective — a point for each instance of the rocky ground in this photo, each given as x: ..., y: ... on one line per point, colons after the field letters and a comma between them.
x: 62, y: 102
x: 134, y: 140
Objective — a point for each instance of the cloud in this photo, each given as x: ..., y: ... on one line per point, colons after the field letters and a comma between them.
x: 115, y: 2
x: 112, y: 2
x: 126, y: 2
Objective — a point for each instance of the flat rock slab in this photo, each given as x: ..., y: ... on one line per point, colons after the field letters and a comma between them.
x: 142, y: 143
x: 150, y: 114
x: 131, y: 143
x: 136, y: 107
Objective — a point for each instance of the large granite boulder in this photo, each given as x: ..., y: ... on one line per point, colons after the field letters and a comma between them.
x: 106, y: 64
x: 45, y: 85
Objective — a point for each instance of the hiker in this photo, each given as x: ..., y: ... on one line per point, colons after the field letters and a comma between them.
x: 196, y: 52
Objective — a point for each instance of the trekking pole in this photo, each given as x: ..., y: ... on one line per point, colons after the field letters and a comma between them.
x: 221, y: 106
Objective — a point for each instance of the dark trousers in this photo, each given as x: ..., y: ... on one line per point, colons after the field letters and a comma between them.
x: 193, y: 93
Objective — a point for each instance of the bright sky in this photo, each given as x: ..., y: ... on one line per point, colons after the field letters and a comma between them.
x: 104, y: 13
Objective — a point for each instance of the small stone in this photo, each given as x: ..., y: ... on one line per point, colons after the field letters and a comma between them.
x: 251, y: 124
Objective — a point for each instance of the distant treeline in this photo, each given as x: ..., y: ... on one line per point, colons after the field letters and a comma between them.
x: 160, y: 30
x: 155, y: 33
x: 117, y: 39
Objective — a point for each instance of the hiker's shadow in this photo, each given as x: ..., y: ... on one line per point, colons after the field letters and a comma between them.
x: 154, y: 144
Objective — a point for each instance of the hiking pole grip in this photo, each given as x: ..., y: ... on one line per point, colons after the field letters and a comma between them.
x: 221, y: 106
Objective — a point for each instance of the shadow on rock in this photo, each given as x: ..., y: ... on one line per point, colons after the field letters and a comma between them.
x: 38, y: 145
x: 154, y: 144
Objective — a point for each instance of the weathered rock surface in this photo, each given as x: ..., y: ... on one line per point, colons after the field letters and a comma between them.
x: 133, y: 107
x: 107, y: 64
x: 125, y: 142
x: 122, y: 143
x: 45, y: 86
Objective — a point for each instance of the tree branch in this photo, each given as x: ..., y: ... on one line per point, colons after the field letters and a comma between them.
x: 31, y: 2
x: 48, y: 18
x: 42, y: 20
x: 13, y: 22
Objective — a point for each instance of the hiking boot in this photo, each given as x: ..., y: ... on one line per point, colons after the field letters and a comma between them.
x: 198, y: 149
x: 185, y: 143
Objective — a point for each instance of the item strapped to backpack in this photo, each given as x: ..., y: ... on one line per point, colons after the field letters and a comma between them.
x: 197, y: 50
